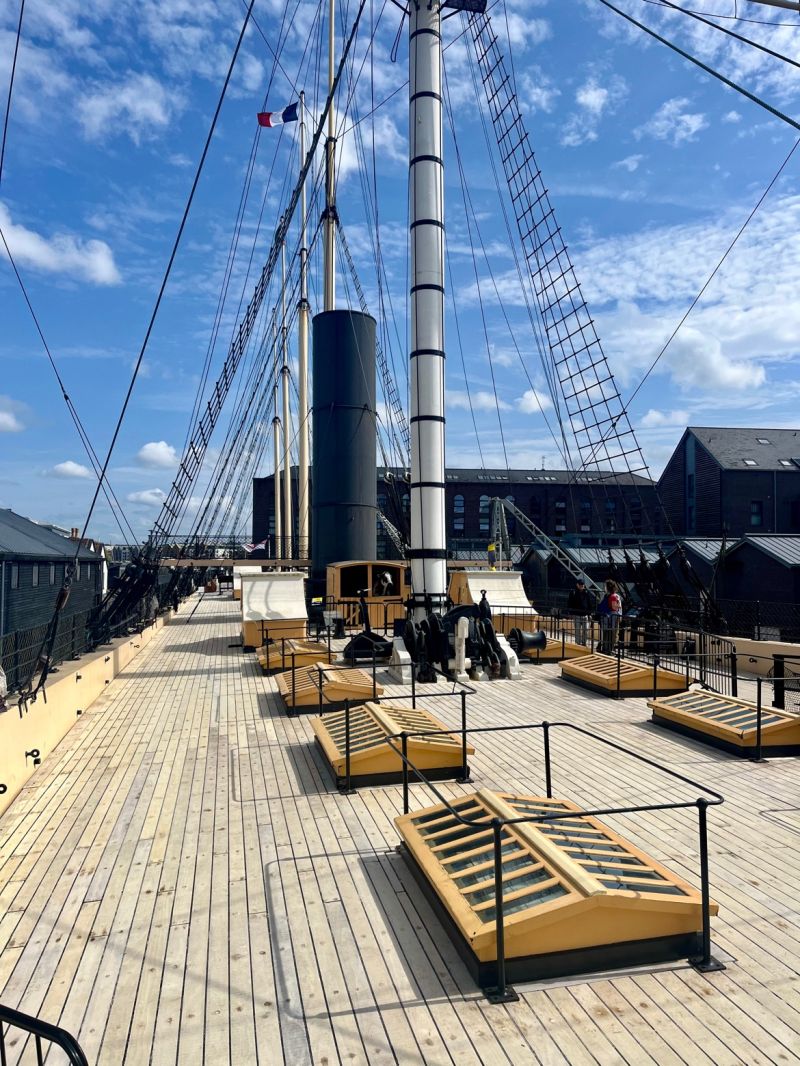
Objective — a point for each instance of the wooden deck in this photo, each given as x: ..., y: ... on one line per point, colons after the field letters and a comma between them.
x: 180, y: 883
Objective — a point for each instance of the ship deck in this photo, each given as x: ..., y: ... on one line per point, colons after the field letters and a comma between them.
x: 180, y: 882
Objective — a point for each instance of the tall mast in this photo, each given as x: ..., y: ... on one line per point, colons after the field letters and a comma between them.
x: 287, y: 423
x: 276, y: 434
x: 302, y: 362
x: 426, y: 180
x: 330, y: 179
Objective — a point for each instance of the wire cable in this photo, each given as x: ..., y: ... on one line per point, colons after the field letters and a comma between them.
x: 703, y: 66
x: 724, y: 29
x: 11, y: 86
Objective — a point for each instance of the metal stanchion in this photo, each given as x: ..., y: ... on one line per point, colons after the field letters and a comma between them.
x: 404, y: 744
x: 548, y: 778
x: 705, y: 963
x: 464, y: 765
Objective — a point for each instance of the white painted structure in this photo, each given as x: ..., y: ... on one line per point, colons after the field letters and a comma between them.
x: 274, y: 605
x: 238, y: 573
x: 426, y: 197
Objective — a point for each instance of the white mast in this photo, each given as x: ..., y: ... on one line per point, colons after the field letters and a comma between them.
x: 276, y: 433
x: 330, y: 179
x: 302, y: 362
x: 287, y: 422
x: 426, y: 179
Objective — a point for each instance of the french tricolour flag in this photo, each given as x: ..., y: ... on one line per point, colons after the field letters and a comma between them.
x: 277, y: 118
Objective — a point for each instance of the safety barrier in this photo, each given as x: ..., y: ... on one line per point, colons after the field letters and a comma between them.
x: 42, y: 1033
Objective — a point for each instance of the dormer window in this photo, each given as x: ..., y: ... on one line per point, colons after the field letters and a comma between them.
x: 750, y: 462
x: 763, y: 440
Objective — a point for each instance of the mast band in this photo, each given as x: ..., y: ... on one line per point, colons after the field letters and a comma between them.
x: 427, y: 418
x: 427, y: 351
x: 427, y: 285
x: 427, y: 222
x: 426, y: 159
x: 429, y: 93
x: 419, y: 33
x: 427, y: 485
x: 426, y: 553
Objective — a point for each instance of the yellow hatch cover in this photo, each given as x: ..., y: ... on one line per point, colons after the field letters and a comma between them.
x: 727, y: 717
x: 555, y: 876
x: 371, y: 724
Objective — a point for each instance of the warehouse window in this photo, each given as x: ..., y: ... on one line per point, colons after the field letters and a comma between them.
x: 35, y: 575
x: 485, y: 507
x: 756, y: 513
x: 458, y: 514
x: 14, y: 576
x: 52, y: 573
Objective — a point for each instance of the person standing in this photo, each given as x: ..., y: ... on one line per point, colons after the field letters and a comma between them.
x: 580, y: 604
x: 610, y: 611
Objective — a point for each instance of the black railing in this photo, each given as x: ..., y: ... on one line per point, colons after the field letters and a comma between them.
x: 704, y: 962
x: 45, y: 1036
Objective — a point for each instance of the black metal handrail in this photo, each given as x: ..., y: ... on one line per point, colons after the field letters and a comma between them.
x: 705, y: 962
x: 40, y: 1030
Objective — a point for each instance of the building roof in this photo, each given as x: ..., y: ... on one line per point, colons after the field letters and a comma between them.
x: 707, y: 548
x: 497, y: 478
x: 22, y: 538
x: 786, y: 549
x: 766, y: 449
x: 599, y: 556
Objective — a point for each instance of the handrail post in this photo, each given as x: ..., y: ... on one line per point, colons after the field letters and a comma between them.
x: 757, y: 757
x: 501, y: 993
x: 374, y: 677
x: 319, y: 678
x: 404, y: 744
x: 779, y: 682
x: 548, y: 776
x: 705, y: 963
x: 464, y: 765
x: 348, y: 780
x: 619, y: 669
x: 328, y: 631
x: 655, y: 676
x: 414, y: 685
x: 734, y: 675
x: 283, y: 654
x: 294, y: 687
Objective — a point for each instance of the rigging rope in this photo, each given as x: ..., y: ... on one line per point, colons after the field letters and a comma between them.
x: 11, y: 87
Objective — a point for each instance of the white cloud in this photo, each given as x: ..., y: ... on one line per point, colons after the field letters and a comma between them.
x: 9, y: 415
x: 61, y: 254
x: 732, y: 116
x: 9, y: 423
x: 138, y: 106
x: 69, y: 469
x: 673, y: 123
x: 149, y: 497
x: 157, y: 453
x: 538, y: 91
x: 657, y: 419
x: 595, y: 99
x: 481, y: 401
x: 629, y: 163
x: 533, y: 401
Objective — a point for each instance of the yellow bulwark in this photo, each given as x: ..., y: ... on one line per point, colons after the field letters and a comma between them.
x: 338, y: 684
x: 289, y: 654
x: 607, y: 674
x: 373, y: 760
x: 728, y: 723
x: 576, y: 895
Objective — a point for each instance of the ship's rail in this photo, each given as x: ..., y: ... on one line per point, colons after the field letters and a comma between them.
x: 43, y: 1033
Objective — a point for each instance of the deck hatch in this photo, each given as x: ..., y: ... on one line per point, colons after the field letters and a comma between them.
x: 569, y: 885
x: 373, y: 759
x: 301, y: 687
x: 728, y: 722
x: 609, y: 675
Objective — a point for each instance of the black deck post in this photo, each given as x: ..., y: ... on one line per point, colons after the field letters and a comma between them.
x: 319, y: 678
x: 404, y: 744
x: 734, y: 675
x: 757, y: 757
x: 619, y: 669
x: 502, y: 993
x: 414, y: 685
x: 779, y: 679
x: 548, y: 777
x: 348, y: 779
x: 655, y: 676
x: 374, y: 678
x: 464, y: 765
x: 705, y: 963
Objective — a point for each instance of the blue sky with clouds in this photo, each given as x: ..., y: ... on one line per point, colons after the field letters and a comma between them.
x: 651, y: 165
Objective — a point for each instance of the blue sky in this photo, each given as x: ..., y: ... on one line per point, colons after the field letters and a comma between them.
x: 651, y: 165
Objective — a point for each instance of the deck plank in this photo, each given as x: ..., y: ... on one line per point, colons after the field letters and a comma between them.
x: 180, y: 882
